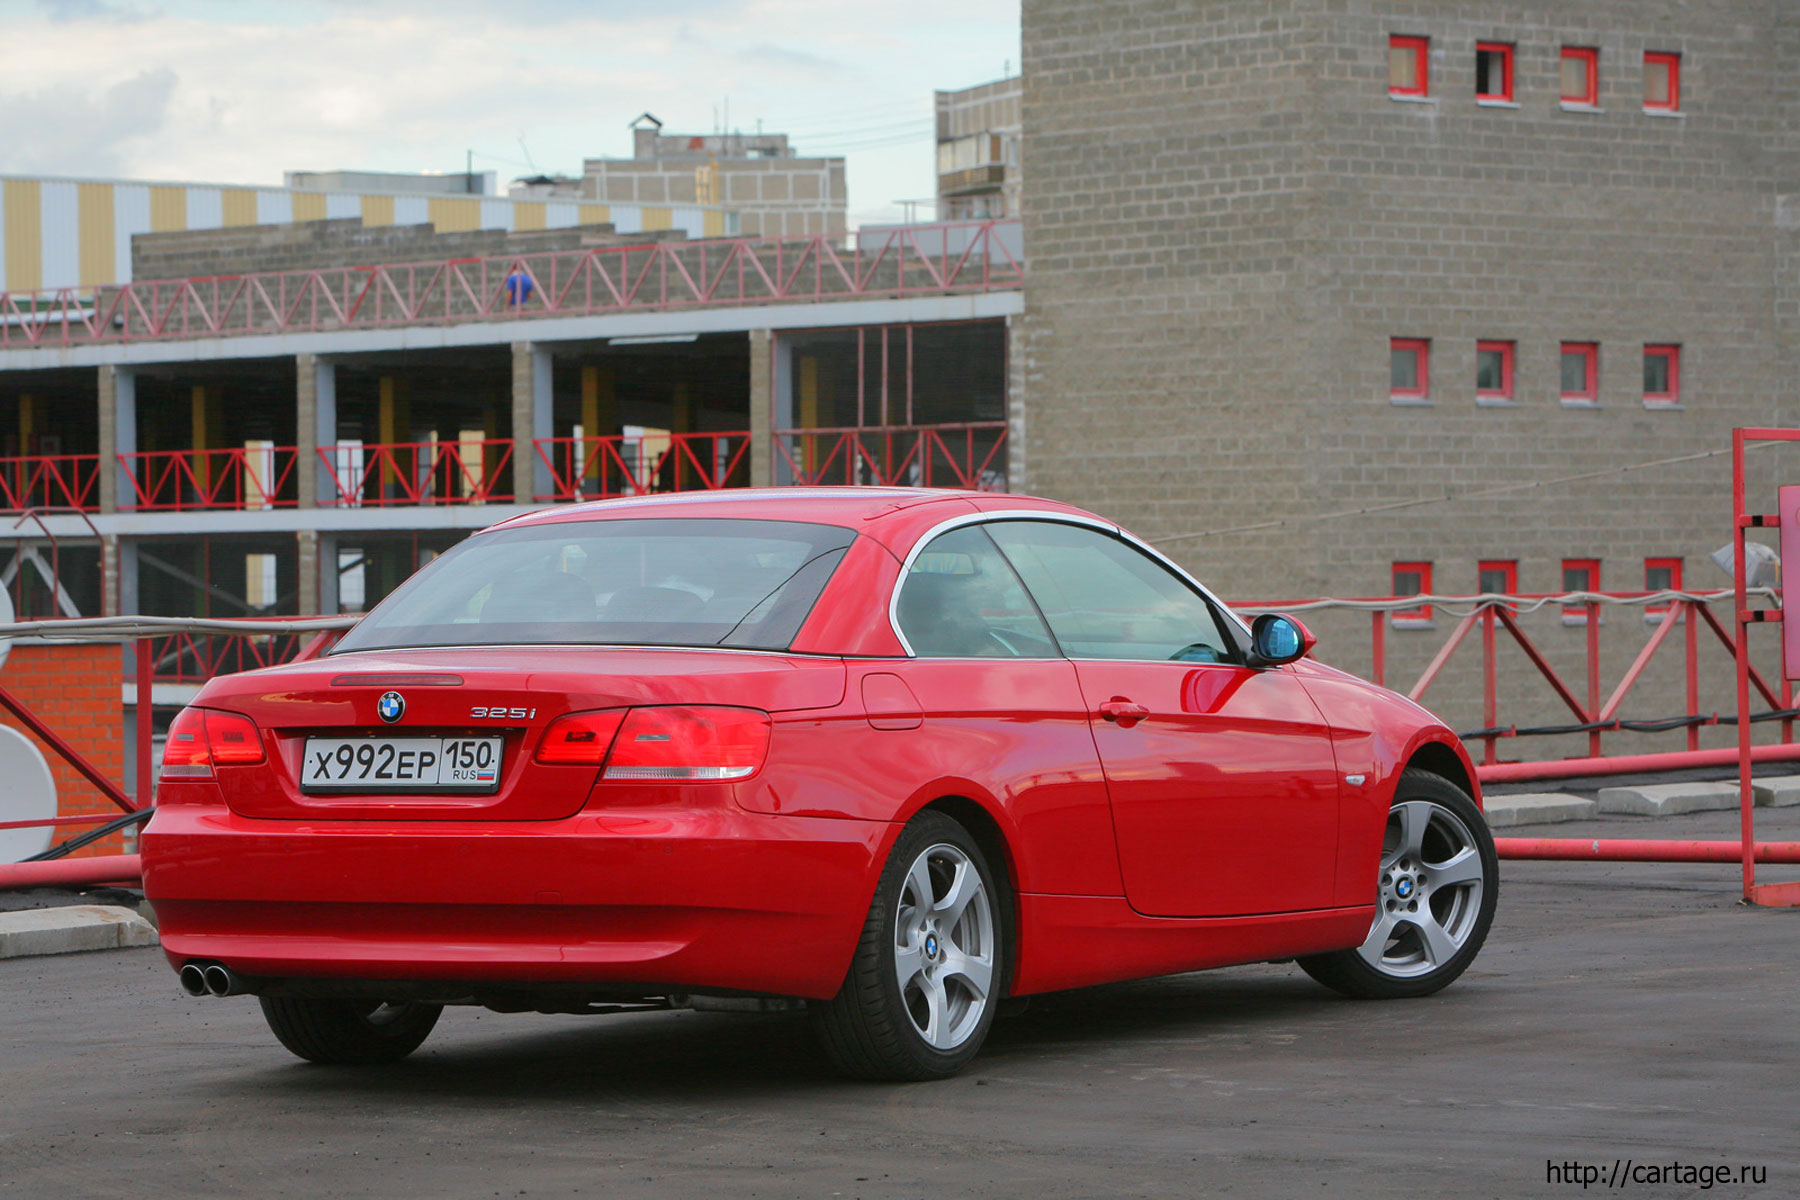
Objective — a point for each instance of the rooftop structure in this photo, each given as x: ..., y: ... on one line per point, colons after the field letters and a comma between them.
x: 978, y: 133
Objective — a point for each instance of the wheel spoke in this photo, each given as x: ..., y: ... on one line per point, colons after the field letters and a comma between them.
x: 1415, y: 817
x: 1462, y: 867
x: 1439, y: 945
x: 1376, y: 943
x: 919, y: 881
x: 964, y: 887
x: 907, y: 964
x: 977, y: 974
x: 937, y: 1012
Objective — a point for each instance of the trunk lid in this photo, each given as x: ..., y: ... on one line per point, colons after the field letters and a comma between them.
x: 509, y: 692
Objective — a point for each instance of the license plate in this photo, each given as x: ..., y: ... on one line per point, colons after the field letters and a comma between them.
x: 409, y: 764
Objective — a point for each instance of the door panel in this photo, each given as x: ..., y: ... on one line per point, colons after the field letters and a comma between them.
x: 1224, y: 793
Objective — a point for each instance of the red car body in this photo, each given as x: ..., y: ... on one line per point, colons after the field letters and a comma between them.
x: 1135, y: 839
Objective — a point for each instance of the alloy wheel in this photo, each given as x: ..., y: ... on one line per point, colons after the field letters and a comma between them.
x: 944, y: 946
x: 1431, y: 885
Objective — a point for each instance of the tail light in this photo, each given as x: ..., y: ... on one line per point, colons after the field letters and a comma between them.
x: 695, y: 743
x: 200, y: 737
x: 692, y: 742
x: 581, y: 738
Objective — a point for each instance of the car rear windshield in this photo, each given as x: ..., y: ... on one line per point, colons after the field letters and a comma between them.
x: 636, y: 582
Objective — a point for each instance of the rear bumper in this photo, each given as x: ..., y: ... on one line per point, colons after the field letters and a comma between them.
x: 700, y: 899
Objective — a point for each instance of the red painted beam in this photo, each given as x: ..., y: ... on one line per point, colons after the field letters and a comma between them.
x: 1629, y: 764
x: 1642, y: 850
x: 65, y: 872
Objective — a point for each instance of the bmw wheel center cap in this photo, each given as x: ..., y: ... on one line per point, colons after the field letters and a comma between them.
x: 1404, y: 887
x: 391, y: 707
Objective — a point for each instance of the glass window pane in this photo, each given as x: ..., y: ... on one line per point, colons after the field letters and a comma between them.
x: 1490, y: 371
x: 1656, y: 83
x: 1403, y: 68
x: 1658, y: 579
x: 1403, y: 370
x: 1106, y: 599
x: 1574, y: 78
x: 1486, y: 72
x: 961, y: 600
x: 1406, y: 583
x: 1656, y: 374
x: 1492, y: 581
x: 1574, y: 373
x: 681, y: 582
x: 1575, y: 579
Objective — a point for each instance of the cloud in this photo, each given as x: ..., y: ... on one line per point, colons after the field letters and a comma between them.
x: 786, y: 58
x: 66, y: 130
x: 63, y: 11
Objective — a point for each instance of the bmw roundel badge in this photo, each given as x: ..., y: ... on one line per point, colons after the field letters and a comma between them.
x: 391, y: 706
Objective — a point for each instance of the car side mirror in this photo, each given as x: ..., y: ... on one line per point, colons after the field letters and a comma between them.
x: 1276, y: 639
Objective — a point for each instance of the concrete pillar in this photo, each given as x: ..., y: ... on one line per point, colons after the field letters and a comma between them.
x: 307, y: 585
x: 532, y: 413
x: 109, y: 574
x: 327, y: 552
x: 130, y: 604
x: 781, y: 408
x: 762, y: 409
x: 598, y: 420
x: 1016, y: 371
x: 315, y: 425
x: 118, y: 435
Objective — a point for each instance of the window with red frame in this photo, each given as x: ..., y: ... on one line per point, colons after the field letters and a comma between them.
x: 1662, y: 82
x: 1581, y: 76
x: 1579, y: 575
x: 1661, y: 575
x: 1412, y: 579
x: 1580, y: 372
x: 1662, y: 375
x: 1493, y: 71
x: 1409, y: 368
x: 1499, y: 576
x: 1407, y: 74
x: 1494, y: 370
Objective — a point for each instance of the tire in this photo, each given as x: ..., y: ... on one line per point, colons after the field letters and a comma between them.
x: 929, y: 970
x: 349, y: 1032
x: 1436, y: 887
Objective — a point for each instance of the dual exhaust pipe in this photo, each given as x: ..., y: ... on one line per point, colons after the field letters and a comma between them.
x: 211, y: 979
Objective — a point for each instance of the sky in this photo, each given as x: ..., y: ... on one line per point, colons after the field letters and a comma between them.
x: 237, y: 91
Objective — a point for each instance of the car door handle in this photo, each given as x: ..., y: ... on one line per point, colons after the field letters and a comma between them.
x: 1124, y: 711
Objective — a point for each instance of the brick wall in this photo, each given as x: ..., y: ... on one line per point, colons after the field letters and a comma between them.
x: 74, y: 689
x: 1227, y: 218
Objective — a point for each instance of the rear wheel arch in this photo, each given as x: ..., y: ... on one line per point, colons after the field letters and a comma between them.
x: 991, y: 837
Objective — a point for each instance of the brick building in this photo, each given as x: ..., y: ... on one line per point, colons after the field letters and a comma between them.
x: 978, y: 133
x: 1310, y: 256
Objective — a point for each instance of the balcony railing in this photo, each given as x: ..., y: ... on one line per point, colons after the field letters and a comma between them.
x: 183, y: 480
x: 600, y: 467
x: 971, y: 455
x: 197, y: 657
x: 378, y: 474
x: 977, y: 256
x: 68, y: 481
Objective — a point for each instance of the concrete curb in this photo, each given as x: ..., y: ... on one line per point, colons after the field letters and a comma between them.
x: 1536, y: 808
x: 1783, y: 791
x: 72, y: 928
x: 1669, y: 799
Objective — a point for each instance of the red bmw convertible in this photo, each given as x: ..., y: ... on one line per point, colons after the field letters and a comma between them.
x: 890, y: 755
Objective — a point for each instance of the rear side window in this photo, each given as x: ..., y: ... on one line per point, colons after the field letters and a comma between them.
x: 1104, y: 598
x: 649, y: 582
x: 960, y: 599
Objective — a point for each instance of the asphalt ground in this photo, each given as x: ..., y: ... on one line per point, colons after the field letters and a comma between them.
x: 1619, y: 1012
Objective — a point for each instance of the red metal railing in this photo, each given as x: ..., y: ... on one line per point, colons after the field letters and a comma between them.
x: 599, y: 467
x: 378, y: 474
x: 1594, y: 710
x: 182, y: 480
x: 971, y: 455
x: 926, y: 259
x: 50, y: 481
x: 195, y: 658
